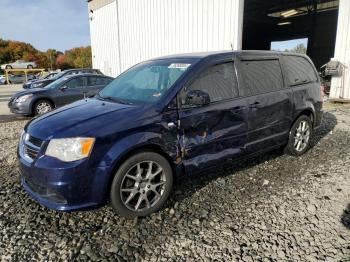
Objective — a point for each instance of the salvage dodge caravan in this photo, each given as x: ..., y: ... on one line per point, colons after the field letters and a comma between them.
x: 167, y: 117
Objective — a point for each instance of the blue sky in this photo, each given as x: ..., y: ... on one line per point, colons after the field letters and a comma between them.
x: 290, y: 44
x: 58, y: 24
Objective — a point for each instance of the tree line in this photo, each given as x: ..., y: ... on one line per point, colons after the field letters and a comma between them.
x: 79, y: 57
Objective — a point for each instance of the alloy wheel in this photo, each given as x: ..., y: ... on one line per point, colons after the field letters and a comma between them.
x: 43, y: 107
x: 143, y: 186
x: 302, y: 136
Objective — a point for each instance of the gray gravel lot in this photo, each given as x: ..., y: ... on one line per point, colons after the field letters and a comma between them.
x: 270, y: 208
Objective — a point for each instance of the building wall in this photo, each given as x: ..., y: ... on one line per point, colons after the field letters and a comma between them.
x: 126, y: 32
x: 96, y: 4
x: 341, y: 85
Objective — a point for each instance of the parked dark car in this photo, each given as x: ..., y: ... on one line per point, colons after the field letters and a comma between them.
x: 44, y: 82
x: 166, y: 117
x: 63, y: 91
x: 48, y: 76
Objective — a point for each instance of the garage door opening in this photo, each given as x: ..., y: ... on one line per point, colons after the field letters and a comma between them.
x: 272, y: 24
x: 295, y: 45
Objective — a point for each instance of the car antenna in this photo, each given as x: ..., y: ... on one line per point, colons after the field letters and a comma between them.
x: 232, y: 49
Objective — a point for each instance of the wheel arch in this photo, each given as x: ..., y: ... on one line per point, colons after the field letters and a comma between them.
x: 307, y: 112
x: 137, y: 149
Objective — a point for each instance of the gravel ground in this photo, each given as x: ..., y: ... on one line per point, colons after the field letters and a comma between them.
x: 270, y: 208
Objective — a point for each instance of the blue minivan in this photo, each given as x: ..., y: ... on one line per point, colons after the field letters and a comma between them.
x: 167, y: 117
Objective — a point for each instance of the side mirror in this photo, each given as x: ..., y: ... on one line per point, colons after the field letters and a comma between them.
x: 62, y: 88
x: 197, y: 98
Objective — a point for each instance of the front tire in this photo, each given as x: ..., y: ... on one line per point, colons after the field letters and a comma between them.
x: 141, y: 185
x: 29, y: 67
x: 8, y: 67
x: 42, y: 107
x: 299, y: 136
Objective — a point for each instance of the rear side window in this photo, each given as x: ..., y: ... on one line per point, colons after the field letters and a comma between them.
x: 299, y: 70
x: 262, y: 76
x: 218, y: 81
x: 88, y: 72
x: 98, y: 81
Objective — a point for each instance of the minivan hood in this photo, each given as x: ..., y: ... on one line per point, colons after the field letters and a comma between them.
x: 90, y: 117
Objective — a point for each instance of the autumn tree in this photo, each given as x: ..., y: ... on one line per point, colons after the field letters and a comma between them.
x: 79, y: 57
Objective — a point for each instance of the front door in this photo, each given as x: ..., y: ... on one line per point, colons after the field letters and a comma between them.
x: 71, y: 91
x: 217, y: 131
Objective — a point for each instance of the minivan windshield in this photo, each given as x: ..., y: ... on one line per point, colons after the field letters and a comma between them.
x: 144, y: 83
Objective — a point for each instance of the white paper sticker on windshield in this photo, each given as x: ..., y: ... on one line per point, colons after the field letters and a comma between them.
x: 179, y: 66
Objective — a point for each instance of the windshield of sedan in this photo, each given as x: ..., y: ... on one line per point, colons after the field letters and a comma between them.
x: 56, y: 83
x: 146, y: 82
x: 59, y: 75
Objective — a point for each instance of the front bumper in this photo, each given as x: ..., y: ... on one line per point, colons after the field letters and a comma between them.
x: 63, y: 186
x: 20, y: 108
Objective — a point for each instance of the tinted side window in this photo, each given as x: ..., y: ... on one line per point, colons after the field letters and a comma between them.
x: 218, y: 81
x: 97, y: 81
x: 107, y: 80
x: 262, y: 76
x: 87, y: 72
x: 299, y: 70
x: 76, y: 82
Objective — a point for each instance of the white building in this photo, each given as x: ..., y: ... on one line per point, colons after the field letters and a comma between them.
x: 125, y: 32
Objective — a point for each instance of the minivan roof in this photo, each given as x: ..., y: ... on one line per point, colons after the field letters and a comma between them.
x: 201, y: 55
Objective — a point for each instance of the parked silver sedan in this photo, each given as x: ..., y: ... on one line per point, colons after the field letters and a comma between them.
x: 19, y: 64
x: 17, y: 79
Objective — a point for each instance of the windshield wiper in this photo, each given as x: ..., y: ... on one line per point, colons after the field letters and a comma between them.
x: 113, y: 99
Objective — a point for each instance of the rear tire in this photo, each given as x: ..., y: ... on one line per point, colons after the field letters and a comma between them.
x: 42, y: 107
x: 300, y: 136
x: 8, y: 67
x: 141, y: 185
x: 29, y: 67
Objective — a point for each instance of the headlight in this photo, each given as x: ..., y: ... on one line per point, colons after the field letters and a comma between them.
x: 70, y: 149
x: 23, y: 98
x: 21, y: 138
x: 37, y: 84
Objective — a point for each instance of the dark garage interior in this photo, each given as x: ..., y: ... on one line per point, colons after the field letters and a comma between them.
x: 267, y: 21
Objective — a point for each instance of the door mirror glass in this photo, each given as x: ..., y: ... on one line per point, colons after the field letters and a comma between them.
x: 63, y: 88
x: 197, y: 98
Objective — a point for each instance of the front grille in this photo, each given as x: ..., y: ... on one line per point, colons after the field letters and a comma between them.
x: 31, y: 152
x: 35, y: 141
x: 31, y: 146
